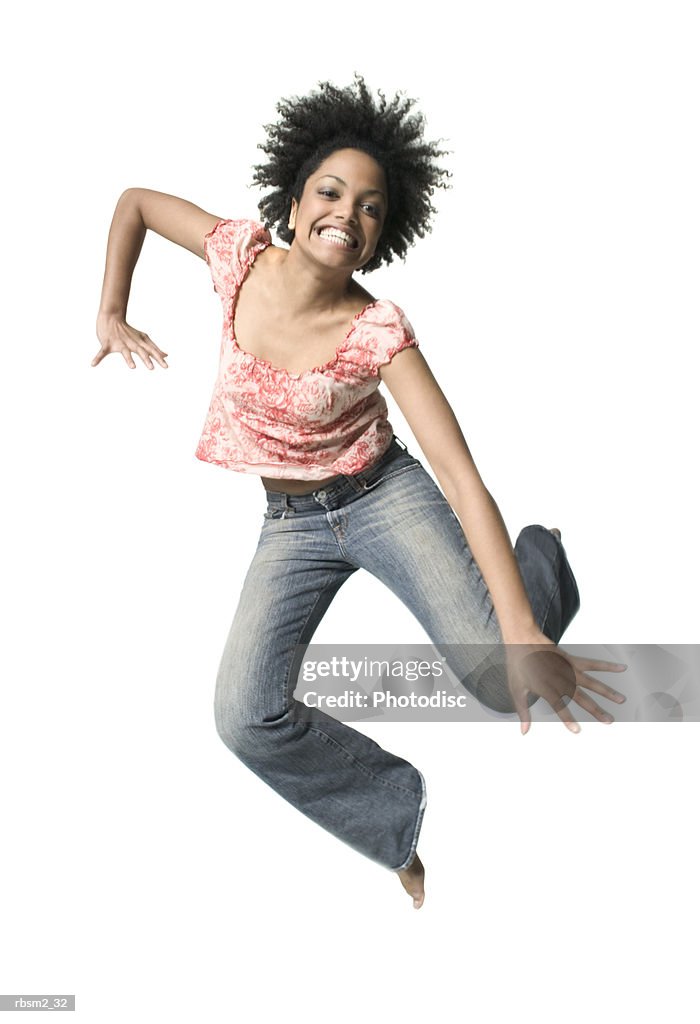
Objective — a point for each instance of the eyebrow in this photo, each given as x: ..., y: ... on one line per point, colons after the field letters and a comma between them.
x: 374, y: 191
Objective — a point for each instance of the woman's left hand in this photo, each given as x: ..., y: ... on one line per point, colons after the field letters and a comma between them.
x: 537, y: 665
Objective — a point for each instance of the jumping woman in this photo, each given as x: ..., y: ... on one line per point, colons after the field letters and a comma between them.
x: 304, y: 347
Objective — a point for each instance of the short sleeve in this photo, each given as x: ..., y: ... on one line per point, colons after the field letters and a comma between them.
x: 381, y: 330
x: 228, y: 249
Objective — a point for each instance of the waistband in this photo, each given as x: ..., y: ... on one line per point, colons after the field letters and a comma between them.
x: 341, y: 490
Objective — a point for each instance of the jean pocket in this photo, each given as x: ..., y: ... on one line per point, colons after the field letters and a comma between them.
x: 391, y: 471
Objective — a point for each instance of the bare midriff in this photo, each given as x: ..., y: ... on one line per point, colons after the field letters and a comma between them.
x: 296, y: 486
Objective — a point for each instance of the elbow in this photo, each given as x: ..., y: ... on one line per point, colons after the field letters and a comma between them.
x: 129, y: 202
x: 130, y: 197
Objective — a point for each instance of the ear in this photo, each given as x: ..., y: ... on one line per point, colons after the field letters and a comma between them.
x: 292, y: 215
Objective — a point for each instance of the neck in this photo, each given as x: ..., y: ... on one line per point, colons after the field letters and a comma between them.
x: 309, y: 287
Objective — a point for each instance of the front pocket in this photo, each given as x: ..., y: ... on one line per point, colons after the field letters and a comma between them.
x: 390, y: 474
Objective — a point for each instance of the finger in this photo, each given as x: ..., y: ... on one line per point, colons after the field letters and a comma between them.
x: 521, y: 706
x: 148, y: 340
x: 159, y: 356
x: 127, y: 356
x: 145, y: 358
x: 589, y: 705
x: 559, y: 703
x: 567, y: 718
x: 602, y: 688
x: 157, y: 353
x: 99, y: 357
x: 589, y: 664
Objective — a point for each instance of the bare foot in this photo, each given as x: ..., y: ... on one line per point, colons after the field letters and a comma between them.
x: 556, y: 532
x: 412, y: 880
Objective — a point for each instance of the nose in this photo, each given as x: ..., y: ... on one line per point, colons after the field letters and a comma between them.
x: 346, y: 212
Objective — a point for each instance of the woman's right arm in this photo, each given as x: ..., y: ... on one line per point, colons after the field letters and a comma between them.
x: 137, y: 210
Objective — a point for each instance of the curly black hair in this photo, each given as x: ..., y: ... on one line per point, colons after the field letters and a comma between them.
x: 330, y: 118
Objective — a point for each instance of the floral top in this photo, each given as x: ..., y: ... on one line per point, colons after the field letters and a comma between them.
x: 266, y: 420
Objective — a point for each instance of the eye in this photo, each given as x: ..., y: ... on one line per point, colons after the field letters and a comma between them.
x: 372, y: 210
x: 327, y: 192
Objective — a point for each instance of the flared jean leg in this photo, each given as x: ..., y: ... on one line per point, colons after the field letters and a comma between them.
x: 336, y: 776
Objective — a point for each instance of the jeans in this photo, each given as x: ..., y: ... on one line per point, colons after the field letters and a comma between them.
x: 392, y: 520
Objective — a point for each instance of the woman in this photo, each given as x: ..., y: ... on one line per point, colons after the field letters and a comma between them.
x: 303, y: 350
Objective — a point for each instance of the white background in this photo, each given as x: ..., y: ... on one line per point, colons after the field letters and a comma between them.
x: 143, y: 867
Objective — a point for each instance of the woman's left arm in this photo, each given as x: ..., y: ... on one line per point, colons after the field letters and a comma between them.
x: 435, y: 427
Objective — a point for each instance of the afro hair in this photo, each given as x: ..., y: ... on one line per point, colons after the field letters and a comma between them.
x: 314, y: 126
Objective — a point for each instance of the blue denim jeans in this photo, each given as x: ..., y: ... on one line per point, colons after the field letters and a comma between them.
x: 393, y: 521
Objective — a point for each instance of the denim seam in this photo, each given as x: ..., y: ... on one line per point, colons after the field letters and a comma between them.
x: 339, y: 535
x: 416, y: 830
x: 572, y: 579
x: 556, y: 567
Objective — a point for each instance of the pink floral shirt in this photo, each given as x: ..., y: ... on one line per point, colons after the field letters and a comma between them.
x: 265, y: 420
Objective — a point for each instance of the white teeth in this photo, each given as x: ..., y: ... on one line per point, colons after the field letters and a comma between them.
x: 338, y: 235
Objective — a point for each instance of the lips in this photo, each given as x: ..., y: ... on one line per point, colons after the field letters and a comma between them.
x: 342, y: 231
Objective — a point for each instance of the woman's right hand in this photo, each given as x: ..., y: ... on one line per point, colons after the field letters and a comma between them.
x: 116, y: 335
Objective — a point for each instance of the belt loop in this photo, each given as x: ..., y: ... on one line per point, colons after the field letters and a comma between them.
x: 287, y: 509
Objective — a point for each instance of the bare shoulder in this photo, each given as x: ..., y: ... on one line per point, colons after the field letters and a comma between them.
x: 264, y: 267
x: 272, y: 255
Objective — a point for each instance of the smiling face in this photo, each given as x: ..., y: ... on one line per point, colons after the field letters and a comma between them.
x: 339, y: 219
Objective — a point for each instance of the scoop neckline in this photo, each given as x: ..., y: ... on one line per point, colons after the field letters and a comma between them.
x: 251, y: 255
